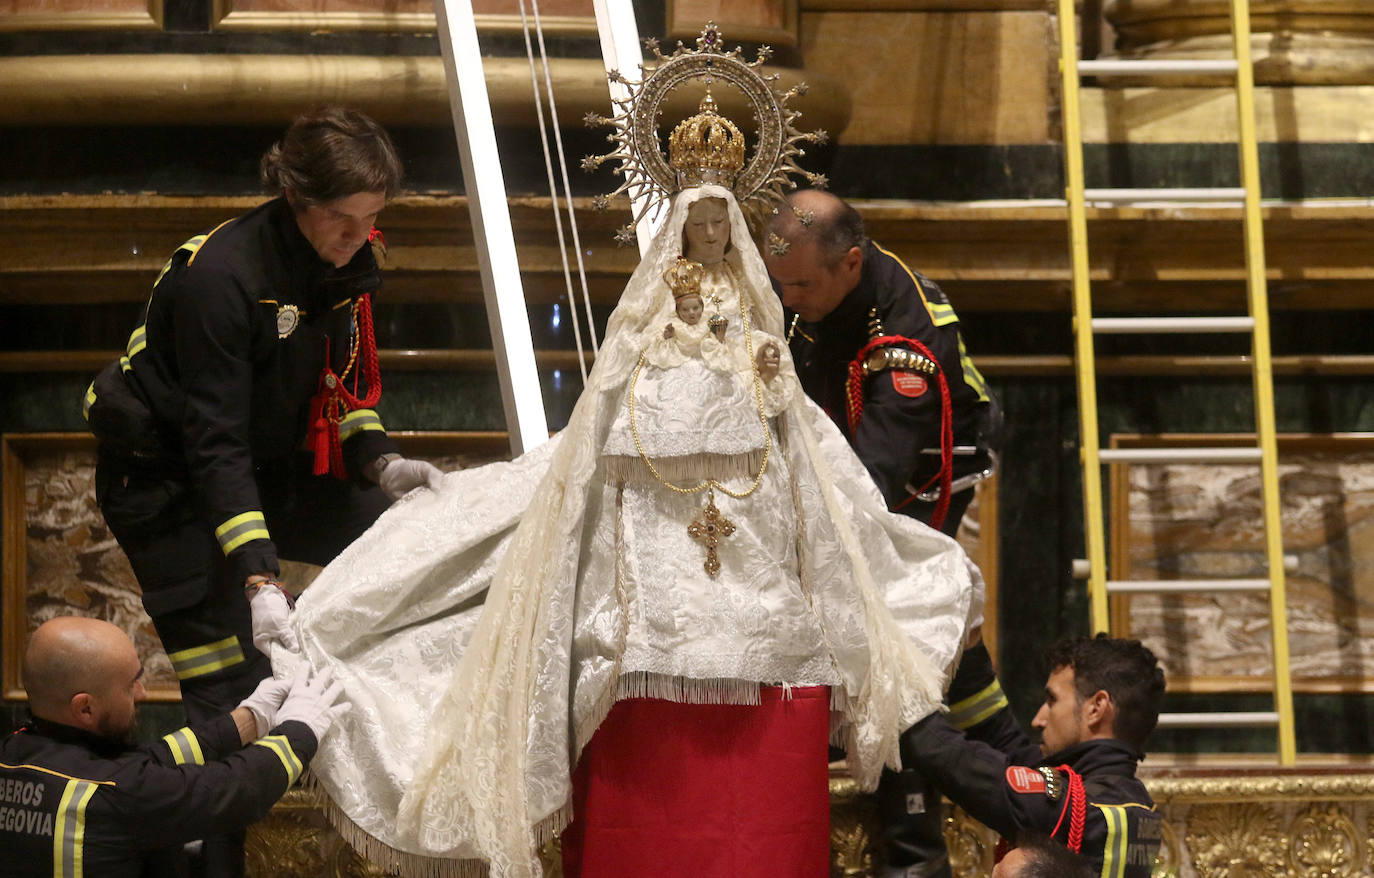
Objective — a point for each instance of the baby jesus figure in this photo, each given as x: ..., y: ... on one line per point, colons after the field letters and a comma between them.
x: 688, y: 307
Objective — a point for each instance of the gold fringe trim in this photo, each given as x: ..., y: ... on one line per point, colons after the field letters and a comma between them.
x: 621, y: 469
x: 552, y: 826
x: 384, y: 856
x: 684, y: 690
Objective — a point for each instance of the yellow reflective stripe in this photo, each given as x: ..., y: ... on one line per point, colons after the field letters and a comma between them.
x: 240, y: 529
x: 88, y: 402
x: 911, y: 274
x: 69, y: 832
x: 138, y: 340
x: 1114, y: 850
x: 199, y: 241
x: 279, y: 745
x: 942, y: 313
x: 185, y: 747
x: 201, y: 660
x: 125, y: 365
x: 358, y: 422
x: 972, y: 377
x: 970, y: 711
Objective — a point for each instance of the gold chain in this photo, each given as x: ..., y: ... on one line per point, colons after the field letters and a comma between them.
x: 708, y: 482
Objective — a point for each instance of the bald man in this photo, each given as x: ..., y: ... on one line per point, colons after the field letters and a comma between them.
x: 76, y: 795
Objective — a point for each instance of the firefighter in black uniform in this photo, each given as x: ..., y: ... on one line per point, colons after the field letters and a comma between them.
x: 878, y: 347
x: 240, y: 426
x: 76, y: 797
x: 1078, y: 786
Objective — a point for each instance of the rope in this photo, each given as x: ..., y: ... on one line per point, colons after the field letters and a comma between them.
x: 553, y: 188
x: 333, y: 400
x: 854, y: 410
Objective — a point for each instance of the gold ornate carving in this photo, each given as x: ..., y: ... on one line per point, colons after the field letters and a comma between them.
x: 1261, y: 789
x: 1169, y: 861
x: 1325, y: 842
x: 1240, y: 841
x: 970, y: 844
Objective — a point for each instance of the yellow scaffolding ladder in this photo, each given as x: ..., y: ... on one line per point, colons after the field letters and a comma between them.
x: 1257, y: 324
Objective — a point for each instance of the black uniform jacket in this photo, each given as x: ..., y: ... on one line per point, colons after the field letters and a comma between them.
x: 72, y: 803
x: 225, y: 362
x: 901, y: 413
x: 981, y: 759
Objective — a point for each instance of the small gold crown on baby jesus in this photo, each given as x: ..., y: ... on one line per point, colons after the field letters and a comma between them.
x: 684, y: 278
x: 706, y: 148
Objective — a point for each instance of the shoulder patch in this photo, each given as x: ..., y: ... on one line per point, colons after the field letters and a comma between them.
x: 1025, y: 780
x: 909, y: 384
x: 1041, y: 779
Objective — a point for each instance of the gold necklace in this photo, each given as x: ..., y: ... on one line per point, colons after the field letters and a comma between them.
x: 715, y: 525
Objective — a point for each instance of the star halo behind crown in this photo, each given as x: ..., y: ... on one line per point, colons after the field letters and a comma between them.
x: 707, y: 147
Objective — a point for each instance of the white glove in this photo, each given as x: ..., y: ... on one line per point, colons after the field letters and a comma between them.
x: 312, y: 701
x: 265, y: 701
x: 272, y: 620
x: 403, y: 475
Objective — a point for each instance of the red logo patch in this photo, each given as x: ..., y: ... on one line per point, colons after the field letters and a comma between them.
x: 1025, y: 780
x: 909, y: 384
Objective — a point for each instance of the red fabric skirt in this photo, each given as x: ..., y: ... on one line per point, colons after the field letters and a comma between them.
x: 675, y: 790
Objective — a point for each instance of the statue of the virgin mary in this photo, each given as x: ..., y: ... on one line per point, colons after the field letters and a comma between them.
x: 671, y: 607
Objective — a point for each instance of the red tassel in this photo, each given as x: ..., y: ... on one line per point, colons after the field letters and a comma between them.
x: 319, y: 445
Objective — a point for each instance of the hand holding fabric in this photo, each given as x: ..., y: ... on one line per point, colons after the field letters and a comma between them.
x: 403, y: 475
x: 313, y: 700
x: 272, y: 620
x: 265, y: 701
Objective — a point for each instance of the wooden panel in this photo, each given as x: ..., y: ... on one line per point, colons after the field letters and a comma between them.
x: 990, y: 257
x: 766, y: 21
x: 562, y: 17
x: 937, y: 78
x: 48, y: 15
x: 1314, y: 114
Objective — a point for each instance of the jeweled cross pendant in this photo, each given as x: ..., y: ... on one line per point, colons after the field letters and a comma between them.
x: 709, y: 530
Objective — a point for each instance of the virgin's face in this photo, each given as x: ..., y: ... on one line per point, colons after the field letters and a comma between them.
x: 707, y: 230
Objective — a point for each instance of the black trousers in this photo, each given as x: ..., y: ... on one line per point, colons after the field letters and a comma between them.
x: 197, y: 605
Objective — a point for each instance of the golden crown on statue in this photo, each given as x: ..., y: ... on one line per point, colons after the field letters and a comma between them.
x: 706, y: 148
x: 684, y: 278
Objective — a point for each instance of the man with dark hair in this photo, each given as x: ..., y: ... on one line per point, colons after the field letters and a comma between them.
x: 240, y: 425
x: 877, y: 346
x: 1039, y: 856
x: 1078, y: 786
x: 77, y: 797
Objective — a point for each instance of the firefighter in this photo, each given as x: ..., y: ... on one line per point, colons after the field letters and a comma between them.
x: 240, y: 425
x: 1078, y: 786
x: 76, y: 796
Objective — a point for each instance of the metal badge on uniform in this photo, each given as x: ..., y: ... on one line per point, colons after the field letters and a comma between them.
x: 288, y: 318
x: 909, y: 384
x: 1054, y: 787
